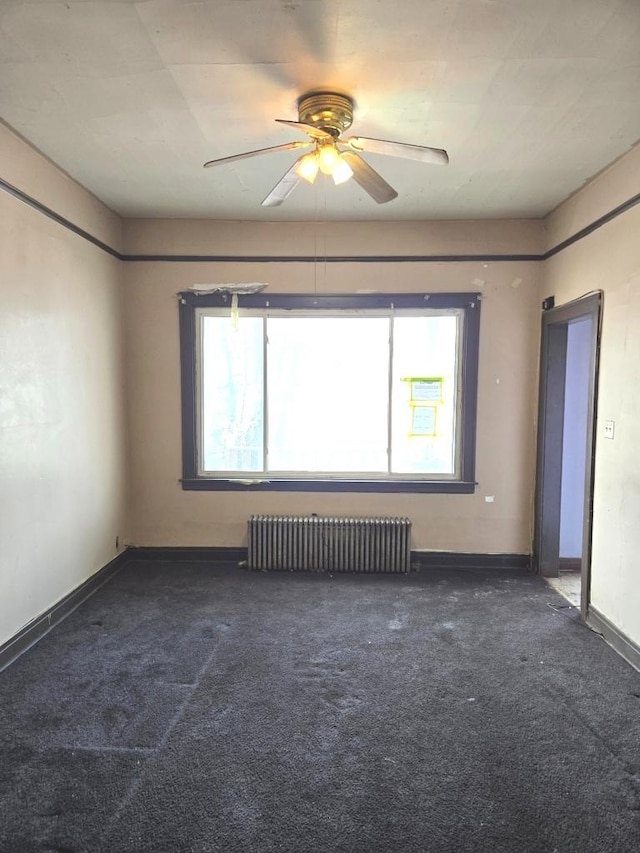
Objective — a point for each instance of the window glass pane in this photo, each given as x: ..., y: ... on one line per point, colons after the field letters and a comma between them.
x: 232, y: 396
x: 328, y: 380
x: 424, y: 384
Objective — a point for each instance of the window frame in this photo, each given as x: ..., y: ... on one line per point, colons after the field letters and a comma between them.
x: 192, y: 480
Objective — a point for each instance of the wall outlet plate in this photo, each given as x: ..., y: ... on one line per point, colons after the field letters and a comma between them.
x: 609, y: 429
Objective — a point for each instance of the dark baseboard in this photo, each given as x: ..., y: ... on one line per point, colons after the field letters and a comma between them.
x: 625, y: 647
x: 419, y: 559
x: 570, y: 564
x: 41, y: 625
x: 188, y: 555
x: 454, y: 560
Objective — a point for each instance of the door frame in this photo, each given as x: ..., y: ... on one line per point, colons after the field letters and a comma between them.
x: 553, y: 362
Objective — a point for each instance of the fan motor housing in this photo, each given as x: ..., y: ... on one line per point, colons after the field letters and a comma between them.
x: 328, y: 111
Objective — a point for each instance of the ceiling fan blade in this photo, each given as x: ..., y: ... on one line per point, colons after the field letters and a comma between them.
x: 283, y: 189
x: 369, y: 179
x: 314, y: 132
x: 286, y: 146
x: 399, y: 149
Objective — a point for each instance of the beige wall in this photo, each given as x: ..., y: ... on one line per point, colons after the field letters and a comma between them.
x: 609, y: 260
x: 163, y: 514
x: 62, y: 423
x: 63, y: 447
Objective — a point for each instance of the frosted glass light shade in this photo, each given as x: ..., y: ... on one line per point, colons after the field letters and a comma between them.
x: 328, y: 157
x: 307, y: 167
x: 342, y: 171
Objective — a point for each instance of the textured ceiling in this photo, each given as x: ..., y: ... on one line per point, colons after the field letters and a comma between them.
x: 531, y: 98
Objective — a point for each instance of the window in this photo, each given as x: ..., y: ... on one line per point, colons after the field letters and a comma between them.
x: 374, y: 393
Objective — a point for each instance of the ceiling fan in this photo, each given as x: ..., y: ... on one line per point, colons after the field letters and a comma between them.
x: 324, y: 116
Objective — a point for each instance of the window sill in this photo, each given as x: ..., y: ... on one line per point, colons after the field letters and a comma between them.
x: 451, y: 487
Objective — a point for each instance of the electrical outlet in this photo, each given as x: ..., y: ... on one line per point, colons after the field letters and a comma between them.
x: 609, y: 429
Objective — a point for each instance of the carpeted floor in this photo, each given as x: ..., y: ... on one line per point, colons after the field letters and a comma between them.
x: 188, y: 707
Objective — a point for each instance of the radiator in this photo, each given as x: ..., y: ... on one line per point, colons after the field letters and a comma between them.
x: 312, y: 543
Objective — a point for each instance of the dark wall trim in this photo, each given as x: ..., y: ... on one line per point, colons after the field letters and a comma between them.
x: 622, y: 644
x: 598, y: 223
x: 210, y: 554
x: 61, y: 220
x: 312, y: 259
x: 41, y: 625
x: 345, y: 302
x: 206, y: 484
x: 330, y: 259
x: 188, y: 417
x: 419, y: 559
x: 570, y: 564
x: 466, y: 561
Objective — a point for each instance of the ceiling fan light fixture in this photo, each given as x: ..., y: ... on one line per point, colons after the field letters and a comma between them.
x: 323, y: 116
x: 307, y: 167
x: 342, y: 171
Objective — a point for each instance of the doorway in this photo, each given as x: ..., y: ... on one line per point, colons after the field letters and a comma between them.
x: 564, y: 473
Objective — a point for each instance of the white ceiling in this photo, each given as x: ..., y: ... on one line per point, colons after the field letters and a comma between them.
x: 531, y: 98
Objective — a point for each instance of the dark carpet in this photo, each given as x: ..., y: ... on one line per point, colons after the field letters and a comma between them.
x: 189, y: 707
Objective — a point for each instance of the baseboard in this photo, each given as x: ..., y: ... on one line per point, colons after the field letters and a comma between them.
x: 570, y: 564
x: 618, y: 641
x: 42, y: 624
x: 454, y: 560
x: 419, y: 559
x: 210, y: 554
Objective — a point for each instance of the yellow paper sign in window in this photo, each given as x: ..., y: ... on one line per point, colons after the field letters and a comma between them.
x: 423, y: 420
x: 426, y: 390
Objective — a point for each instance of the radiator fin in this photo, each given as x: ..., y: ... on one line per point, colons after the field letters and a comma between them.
x: 314, y: 543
